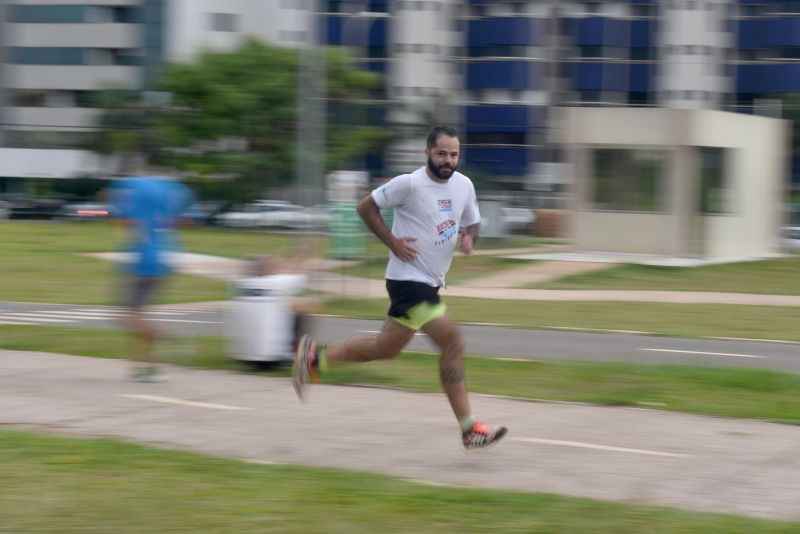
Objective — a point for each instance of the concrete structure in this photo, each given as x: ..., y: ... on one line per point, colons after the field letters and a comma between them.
x: 198, y: 25
x: 493, y: 67
x: 58, y: 56
x: 61, y: 54
x: 692, y: 183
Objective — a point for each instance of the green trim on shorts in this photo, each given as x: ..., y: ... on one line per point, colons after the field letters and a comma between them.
x: 421, y: 314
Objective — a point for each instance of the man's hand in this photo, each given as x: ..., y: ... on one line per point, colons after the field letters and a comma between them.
x: 404, y: 249
x: 466, y: 243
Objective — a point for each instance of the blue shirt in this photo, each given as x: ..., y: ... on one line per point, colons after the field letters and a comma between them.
x: 153, y: 205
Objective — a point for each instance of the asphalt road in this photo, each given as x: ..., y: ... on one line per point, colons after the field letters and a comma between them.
x: 208, y: 319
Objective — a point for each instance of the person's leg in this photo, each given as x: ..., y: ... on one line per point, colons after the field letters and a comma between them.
x: 310, y: 358
x: 387, y: 344
x: 447, y: 336
x: 143, y: 332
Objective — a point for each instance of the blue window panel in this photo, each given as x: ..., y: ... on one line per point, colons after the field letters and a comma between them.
x: 50, y: 14
x: 333, y: 30
x: 378, y: 6
x: 599, y: 31
x: 782, y: 32
x: 766, y: 33
x: 760, y: 79
x: 750, y: 34
x: 378, y: 67
x: 515, y: 31
x: 796, y: 170
x: 600, y: 77
x: 503, y: 161
x: 641, y: 77
x: 513, y: 75
x: 46, y: 55
x: 590, y: 31
x: 748, y: 78
x: 355, y: 31
x: 495, y: 118
x: 641, y: 33
x: 378, y: 33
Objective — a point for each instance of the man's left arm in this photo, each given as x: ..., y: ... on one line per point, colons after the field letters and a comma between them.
x: 469, y: 237
x: 471, y: 223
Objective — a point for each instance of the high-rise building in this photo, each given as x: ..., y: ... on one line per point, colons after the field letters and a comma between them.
x: 495, y: 68
x: 56, y: 57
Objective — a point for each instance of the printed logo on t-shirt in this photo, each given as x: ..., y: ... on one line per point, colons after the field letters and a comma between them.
x: 445, y: 205
x: 446, y: 230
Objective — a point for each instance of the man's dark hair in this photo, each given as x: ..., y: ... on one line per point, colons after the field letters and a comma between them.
x: 439, y: 131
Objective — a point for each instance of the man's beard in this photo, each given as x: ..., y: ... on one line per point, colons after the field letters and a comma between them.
x: 442, y: 172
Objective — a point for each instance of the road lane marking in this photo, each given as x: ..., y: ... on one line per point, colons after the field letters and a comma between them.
x: 187, y: 321
x: 784, y: 341
x: 195, y: 404
x: 703, y: 353
x: 378, y: 332
x: 595, y: 446
x: 603, y: 330
x: 34, y: 317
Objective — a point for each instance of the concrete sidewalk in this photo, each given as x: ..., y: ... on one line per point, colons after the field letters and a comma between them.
x: 352, y: 287
x: 632, y: 455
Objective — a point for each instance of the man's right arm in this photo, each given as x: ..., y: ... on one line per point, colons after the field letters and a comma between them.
x: 370, y: 213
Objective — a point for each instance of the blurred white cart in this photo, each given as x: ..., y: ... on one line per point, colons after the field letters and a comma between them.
x: 260, y: 322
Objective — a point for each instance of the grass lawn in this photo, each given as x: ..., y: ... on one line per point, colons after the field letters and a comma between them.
x: 67, y: 485
x: 681, y: 320
x: 42, y: 262
x: 775, y: 276
x: 749, y: 393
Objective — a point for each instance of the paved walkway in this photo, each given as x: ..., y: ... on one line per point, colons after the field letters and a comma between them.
x: 352, y: 287
x: 621, y: 454
x: 536, y: 273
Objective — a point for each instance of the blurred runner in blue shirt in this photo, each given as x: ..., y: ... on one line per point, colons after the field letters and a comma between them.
x: 151, y: 207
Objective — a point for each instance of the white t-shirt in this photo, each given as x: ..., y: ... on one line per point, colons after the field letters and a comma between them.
x: 431, y: 212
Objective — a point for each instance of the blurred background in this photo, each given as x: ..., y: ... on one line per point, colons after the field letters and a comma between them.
x: 637, y: 164
x: 256, y: 100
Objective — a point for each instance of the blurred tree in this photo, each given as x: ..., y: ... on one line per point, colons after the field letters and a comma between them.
x: 233, y: 116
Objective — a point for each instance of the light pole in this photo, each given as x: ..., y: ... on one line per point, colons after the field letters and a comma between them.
x: 311, y: 109
x: 4, y: 70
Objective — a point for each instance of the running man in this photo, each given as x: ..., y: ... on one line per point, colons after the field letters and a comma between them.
x: 151, y: 207
x: 435, y: 210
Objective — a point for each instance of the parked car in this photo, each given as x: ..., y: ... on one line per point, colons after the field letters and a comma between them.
x: 517, y: 219
x: 205, y: 212
x: 274, y: 214
x: 21, y: 207
x: 85, y: 211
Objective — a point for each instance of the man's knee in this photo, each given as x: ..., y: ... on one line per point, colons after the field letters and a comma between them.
x: 391, y: 341
x: 453, y: 345
x: 387, y: 349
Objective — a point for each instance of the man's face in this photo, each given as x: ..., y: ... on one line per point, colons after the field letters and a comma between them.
x: 443, y: 157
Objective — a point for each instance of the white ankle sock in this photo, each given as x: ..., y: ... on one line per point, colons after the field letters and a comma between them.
x: 466, y: 423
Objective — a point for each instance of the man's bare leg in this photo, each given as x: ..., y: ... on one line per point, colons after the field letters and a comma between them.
x: 310, y: 360
x: 144, y: 335
x: 387, y: 344
x: 448, y: 338
x: 447, y: 335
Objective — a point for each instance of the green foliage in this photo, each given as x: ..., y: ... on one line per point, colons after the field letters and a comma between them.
x: 233, y: 117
